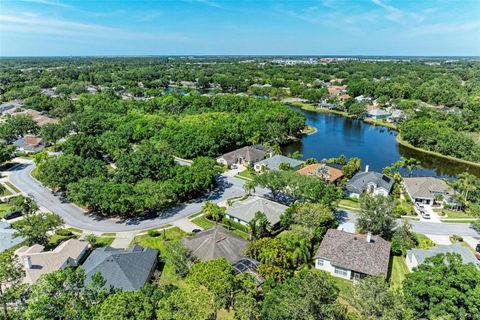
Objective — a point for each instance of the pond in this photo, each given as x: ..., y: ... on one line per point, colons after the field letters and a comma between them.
x: 376, y: 146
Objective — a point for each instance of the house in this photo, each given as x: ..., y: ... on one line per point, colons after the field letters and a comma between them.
x: 416, y: 257
x: 51, y: 92
x: 244, y: 211
x: 38, y: 117
x: 328, y: 172
x: 246, y: 156
x: 127, y: 270
x: 10, y: 105
x: 216, y: 242
x: 274, y: 163
x: 371, y: 182
x: 37, y: 262
x: 396, y: 115
x: 29, y: 143
x: 362, y: 98
x: 353, y: 256
x: 344, y: 97
x: 378, y: 114
x: 7, y: 240
x: 91, y: 89
x: 425, y: 189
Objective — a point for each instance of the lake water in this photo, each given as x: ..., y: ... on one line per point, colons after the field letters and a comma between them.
x: 376, y: 146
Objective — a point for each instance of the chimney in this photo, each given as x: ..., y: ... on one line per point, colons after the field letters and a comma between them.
x: 369, y: 237
x: 28, y: 262
x: 366, y: 168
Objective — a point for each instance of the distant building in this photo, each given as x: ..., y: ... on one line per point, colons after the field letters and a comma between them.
x: 370, y: 182
x: 127, y: 270
x: 344, y: 97
x: 10, y: 105
x: 425, y: 189
x: 244, y: 211
x: 29, y: 143
x: 327, y: 172
x: 37, y: 262
x: 38, y: 117
x: 415, y: 257
x: 353, y: 256
x: 244, y: 156
x: 273, y: 163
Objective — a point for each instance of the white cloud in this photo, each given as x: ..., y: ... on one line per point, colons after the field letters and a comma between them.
x: 209, y: 3
x: 50, y: 3
x: 35, y: 24
x: 396, y: 15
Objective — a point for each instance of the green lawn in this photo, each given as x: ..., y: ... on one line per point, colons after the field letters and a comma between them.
x: 12, y: 187
x: 104, y: 241
x: 5, y: 208
x: 424, y: 242
x: 246, y: 174
x: 75, y: 230
x: 195, y: 215
x: 398, y: 271
x: 159, y: 242
x: 109, y: 234
x: 349, y: 203
x: 203, y: 222
x: 455, y: 214
x: 457, y: 221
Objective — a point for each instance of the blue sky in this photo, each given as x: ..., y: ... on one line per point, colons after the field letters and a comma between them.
x: 323, y: 27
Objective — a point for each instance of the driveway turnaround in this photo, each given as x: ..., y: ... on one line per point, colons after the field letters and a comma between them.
x: 76, y: 217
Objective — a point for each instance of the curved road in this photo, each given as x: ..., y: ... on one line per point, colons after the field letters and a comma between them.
x: 76, y: 217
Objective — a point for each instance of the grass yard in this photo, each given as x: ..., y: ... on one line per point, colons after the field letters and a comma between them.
x: 424, y: 242
x: 109, y: 234
x: 245, y: 174
x: 203, y: 222
x: 454, y: 214
x: 195, y: 215
x: 398, y: 271
x: 349, y: 203
x: 12, y: 187
x: 104, y: 241
x: 457, y: 221
x: 159, y: 242
x: 5, y: 208
x: 75, y: 230
x: 381, y: 123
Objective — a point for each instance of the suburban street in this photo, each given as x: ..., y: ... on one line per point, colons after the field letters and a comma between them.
x: 228, y: 187
x: 76, y: 217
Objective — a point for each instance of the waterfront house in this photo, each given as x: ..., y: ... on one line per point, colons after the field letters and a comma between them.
x: 37, y: 262
x: 426, y: 189
x: 329, y: 172
x: 416, y: 257
x: 378, y: 114
x: 370, y: 182
x: 244, y: 211
x: 273, y: 163
x: 353, y: 256
x: 127, y: 270
x: 245, y: 156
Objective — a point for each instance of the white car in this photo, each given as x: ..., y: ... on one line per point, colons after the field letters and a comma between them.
x: 425, y: 214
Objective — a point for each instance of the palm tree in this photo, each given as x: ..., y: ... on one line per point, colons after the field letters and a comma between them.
x: 249, y: 186
x: 259, y: 226
x: 213, y: 211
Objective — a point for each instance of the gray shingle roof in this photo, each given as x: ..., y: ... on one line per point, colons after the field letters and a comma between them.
x: 426, y: 187
x: 353, y: 252
x: 249, y: 154
x: 214, y: 243
x: 421, y: 255
x: 359, y: 182
x: 245, y: 210
x: 274, y: 162
x: 128, y: 269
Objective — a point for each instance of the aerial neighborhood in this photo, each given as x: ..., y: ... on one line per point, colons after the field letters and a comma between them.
x: 234, y: 188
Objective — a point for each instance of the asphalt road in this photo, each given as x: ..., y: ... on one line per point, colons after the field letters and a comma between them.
x: 78, y: 218
x: 228, y: 187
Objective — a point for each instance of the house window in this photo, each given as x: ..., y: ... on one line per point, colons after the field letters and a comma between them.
x: 341, y: 272
x: 320, y: 262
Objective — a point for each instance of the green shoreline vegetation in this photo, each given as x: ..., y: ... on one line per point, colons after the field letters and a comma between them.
x: 312, y: 108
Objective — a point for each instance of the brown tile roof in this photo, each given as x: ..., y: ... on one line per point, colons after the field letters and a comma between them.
x: 331, y: 174
x: 344, y: 97
x: 249, y: 154
x: 353, y: 252
x: 38, y: 117
x: 32, y: 140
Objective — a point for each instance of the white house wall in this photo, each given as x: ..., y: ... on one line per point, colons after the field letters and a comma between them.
x: 327, y: 266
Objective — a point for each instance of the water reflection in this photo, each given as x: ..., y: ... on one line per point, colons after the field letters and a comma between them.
x: 375, y: 145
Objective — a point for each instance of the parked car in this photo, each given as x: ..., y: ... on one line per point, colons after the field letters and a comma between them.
x: 234, y: 166
x: 425, y: 214
x: 12, y: 215
x: 478, y: 247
